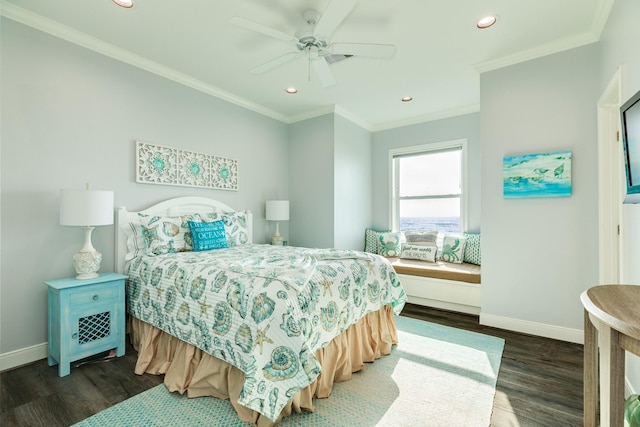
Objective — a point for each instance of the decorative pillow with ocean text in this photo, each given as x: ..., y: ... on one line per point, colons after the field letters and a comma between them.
x: 208, y: 235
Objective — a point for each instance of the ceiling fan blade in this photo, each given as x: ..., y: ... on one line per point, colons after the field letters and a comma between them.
x: 321, y: 67
x: 263, y: 29
x: 363, y: 49
x: 333, y: 17
x: 276, y: 62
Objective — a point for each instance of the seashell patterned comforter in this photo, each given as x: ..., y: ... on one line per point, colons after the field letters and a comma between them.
x: 264, y: 309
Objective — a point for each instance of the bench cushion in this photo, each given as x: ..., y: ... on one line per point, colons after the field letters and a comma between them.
x: 464, y: 272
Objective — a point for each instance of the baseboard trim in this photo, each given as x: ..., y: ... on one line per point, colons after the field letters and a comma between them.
x: 23, y: 356
x: 533, y: 328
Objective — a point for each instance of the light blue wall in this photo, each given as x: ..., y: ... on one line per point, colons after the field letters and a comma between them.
x: 71, y: 116
x: 461, y: 127
x: 539, y: 255
x: 353, y: 191
x: 619, y: 48
x: 311, y: 193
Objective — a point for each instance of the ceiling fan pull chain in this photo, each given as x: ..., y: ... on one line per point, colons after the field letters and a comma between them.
x: 309, y: 63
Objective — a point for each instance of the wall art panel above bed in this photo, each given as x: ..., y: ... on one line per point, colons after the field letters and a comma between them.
x: 156, y: 164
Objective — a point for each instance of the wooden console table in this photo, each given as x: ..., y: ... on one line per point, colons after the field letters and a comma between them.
x: 612, y: 325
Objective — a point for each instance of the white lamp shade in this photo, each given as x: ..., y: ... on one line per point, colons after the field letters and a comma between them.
x: 277, y: 210
x: 84, y: 208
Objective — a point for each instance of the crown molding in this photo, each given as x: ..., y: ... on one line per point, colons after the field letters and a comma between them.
x: 427, y: 118
x: 537, y: 52
x: 56, y: 29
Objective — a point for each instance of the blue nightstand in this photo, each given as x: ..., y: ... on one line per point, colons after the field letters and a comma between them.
x: 85, y: 317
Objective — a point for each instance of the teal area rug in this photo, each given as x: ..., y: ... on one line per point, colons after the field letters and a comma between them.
x: 436, y: 376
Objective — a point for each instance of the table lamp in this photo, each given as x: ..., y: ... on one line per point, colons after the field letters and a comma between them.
x: 277, y: 210
x: 87, y: 209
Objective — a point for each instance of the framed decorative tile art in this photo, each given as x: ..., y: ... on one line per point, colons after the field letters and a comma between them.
x: 156, y: 164
x: 537, y: 175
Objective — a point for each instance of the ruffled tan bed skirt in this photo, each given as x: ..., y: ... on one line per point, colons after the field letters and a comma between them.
x: 189, y: 369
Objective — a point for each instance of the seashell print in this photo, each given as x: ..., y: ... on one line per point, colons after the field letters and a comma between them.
x: 345, y: 319
x: 133, y: 286
x: 344, y: 289
x: 357, y: 297
x: 244, y: 340
x: 243, y: 238
x: 262, y: 387
x: 273, y: 400
x: 188, y: 239
x: 135, y: 264
x: 184, y: 315
x: 262, y: 308
x: 290, y: 325
x: 146, y: 298
x: 144, y: 273
x: 231, y: 354
x: 198, y: 285
x: 181, y: 282
x: 327, y: 270
x: 149, y: 235
x: 236, y: 297
x: 172, y: 269
x: 170, y: 299
x: 170, y: 229
x: 373, y: 291
x: 359, y: 273
x: 222, y: 318
x: 310, y: 364
x: 329, y: 316
x: 156, y: 275
x: 283, y: 364
x: 282, y: 295
x: 219, y: 281
x: 292, y: 392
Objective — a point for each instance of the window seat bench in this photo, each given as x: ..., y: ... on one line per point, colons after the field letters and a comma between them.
x: 441, y: 284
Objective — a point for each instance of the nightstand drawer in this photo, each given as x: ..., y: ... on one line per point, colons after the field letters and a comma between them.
x: 94, y: 296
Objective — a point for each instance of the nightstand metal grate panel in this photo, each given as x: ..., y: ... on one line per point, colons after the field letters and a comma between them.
x: 94, y: 327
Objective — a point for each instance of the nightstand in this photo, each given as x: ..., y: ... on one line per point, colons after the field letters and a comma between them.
x: 85, y: 317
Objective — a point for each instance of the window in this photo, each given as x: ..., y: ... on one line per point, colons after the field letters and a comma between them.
x: 428, y: 187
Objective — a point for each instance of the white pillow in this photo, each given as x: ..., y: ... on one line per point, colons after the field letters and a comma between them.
x: 422, y: 252
x: 389, y: 244
x: 135, y: 241
x: 453, y: 248
x: 421, y: 237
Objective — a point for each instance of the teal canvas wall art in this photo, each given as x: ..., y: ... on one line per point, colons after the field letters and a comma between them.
x: 537, y: 175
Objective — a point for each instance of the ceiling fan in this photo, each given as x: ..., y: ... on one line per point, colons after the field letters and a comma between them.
x: 312, y: 40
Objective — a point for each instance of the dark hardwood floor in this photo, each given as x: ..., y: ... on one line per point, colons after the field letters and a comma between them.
x: 539, y: 383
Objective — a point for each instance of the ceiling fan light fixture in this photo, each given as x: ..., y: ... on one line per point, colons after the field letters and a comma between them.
x: 407, y: 98
x: 486, y: 22
x: 124, y: 3
x: 291, y: 90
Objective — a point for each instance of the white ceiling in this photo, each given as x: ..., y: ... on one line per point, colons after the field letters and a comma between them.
x: 438, y: 59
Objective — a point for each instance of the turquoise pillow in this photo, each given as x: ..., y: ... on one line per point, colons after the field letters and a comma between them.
x: 208, y: 235
x: 372, y: 240
x: 472, y: 249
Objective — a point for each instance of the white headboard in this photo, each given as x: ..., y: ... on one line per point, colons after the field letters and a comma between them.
x: 171, y: 207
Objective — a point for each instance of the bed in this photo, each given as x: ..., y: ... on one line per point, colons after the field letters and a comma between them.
x: 267, y: 327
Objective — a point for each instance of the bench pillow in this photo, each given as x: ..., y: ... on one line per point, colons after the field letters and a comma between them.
x: 372, y: 240
x: 453, y: 248
x: 420, y: 252
x: 390, y: 244
x: 472, y: 248
x: 421, y: 237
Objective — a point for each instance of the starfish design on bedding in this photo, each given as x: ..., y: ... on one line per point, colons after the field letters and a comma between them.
x: 326, y: 284
x: 204, y: 307
x: 261, y: 337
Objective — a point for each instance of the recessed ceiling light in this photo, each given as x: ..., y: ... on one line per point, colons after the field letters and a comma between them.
x: 407, y: 98
x: 291, y: 90
x: 487, y: 21
x: 124, y: 3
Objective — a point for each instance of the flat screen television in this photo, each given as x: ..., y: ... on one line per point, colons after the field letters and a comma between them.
x: 630, y: 116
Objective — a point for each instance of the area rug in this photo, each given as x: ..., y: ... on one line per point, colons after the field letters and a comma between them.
x: 436, y: 376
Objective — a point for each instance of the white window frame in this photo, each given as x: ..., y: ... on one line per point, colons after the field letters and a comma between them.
x: 394, y: 201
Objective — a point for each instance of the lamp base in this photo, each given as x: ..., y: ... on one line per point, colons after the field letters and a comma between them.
x: 87, y: 264
x: 277, y: 240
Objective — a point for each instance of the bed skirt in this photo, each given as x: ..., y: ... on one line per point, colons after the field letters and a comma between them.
x: 189, y: 369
